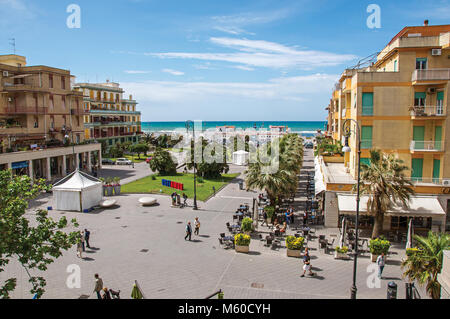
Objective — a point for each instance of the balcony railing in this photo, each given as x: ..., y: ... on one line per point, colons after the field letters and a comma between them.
x: 25, y: 110
x: 427, y: 180
x: 428, y: 146
x: 427, y: 111
x: 431, y: 74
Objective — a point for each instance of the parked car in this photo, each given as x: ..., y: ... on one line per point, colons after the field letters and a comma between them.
x: 123, y: 161
x: 107, y: 161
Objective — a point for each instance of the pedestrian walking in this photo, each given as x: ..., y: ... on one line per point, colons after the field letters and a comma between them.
x: 185, y: 197
x: 214, y: 190
x: 264, y: 218
x: 287, y: 218
x: 174, y: 198
x: 305, y: 218
x: 188, y: 231
x: 82, y: 239
x: 307, y: 264
x: 87, y: 235
x: 381, y: 260
x: 98, y: 285
x: 79, y: 249
x: 196, y: 226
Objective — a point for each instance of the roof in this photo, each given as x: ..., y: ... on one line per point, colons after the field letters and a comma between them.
x: 419, y: 206
x: 76, y: 181
x: 425, y: 31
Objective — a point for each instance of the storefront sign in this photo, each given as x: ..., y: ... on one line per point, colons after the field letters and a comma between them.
x: 19, y: 165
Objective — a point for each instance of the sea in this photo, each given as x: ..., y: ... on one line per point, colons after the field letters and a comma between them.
x: 304, y: 128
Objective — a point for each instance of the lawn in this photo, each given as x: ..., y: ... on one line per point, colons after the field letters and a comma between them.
x: 204, y: 190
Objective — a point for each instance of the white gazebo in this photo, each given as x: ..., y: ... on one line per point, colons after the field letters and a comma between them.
x: 77, y: 191
x: 240, y: 158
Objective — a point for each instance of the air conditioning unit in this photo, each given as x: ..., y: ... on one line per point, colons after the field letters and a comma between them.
x: 446, y: 182
x: 5, y: 74
x: 431, y: 90
x: 436, y: 52
x: 10, y: 99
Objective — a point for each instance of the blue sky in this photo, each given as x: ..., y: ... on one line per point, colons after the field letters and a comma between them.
x: 211, y: 60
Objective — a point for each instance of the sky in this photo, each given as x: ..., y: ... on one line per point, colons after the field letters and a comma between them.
x: 211, y: 60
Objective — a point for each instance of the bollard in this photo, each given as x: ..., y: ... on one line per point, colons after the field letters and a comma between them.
x: 392, y: 290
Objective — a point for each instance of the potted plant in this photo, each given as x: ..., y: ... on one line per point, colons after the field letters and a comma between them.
x: 103, y: 185
x: 247, y: 225
x: 109, y: 187
x: 341, y: 252
x: 241, y: 243
x: 116, y: 185
x: 378, y: 246
x: 270, y: 210
x: 294, y: 246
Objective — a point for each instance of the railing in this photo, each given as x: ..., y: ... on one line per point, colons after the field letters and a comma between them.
x: 430, y: 146
x: 431, y: 74
x: 417, y: 181
x: 25, y: 110
x: 427, y: 111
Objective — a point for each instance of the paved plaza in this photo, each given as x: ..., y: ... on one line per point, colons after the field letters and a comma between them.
x: 131, y: 242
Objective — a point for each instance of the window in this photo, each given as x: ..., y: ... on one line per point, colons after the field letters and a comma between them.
x: 36, y: 122
x: 367, y: 104
x: 50, y: 81
x: 436, y: 170
x: 63, y: 98
x: 366, y: 137
x: 419, y: 137
x: 419, y: 98
x: 35, y: 100
x: 440, y: 103
x: 51, y: 101
x: 416, y: 169
x: 421, y: 63
x: 63, y: 83
x: 395, y: 66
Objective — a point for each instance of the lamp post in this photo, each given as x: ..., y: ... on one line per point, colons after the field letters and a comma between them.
x: 346, y: 149
x: 188, y: 125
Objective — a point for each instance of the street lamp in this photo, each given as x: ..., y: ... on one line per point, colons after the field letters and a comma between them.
x: 346, y: 149
x: 190, y: 123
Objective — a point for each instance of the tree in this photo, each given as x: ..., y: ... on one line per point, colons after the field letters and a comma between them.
x: 163, y: 163
x: 34, y: 247
x: 140, y: 148
x: 384, y: 182
x: 214, y: 168
x: 425, y: 263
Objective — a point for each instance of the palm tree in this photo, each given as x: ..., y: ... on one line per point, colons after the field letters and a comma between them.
x: 425, y: 264
x: 385, y: 184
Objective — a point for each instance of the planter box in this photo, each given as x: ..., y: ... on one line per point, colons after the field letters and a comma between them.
x: 293, y: 253
x: 340, y: 255
x: 117, y: 190
x: 241, y: 249
x: 109, y: 190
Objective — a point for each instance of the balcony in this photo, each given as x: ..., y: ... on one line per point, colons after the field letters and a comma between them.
x: 11, y: 110
x: 431, y: 75
x: 426, y: 146
x: 78, y: 112
x: 424, y: 112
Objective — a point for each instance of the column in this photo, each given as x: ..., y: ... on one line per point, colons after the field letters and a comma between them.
x: 64, y: 168
x: 89, y: 161
x: 49, y: 170
x: 31, y: 170
x: 9, y: 165
x: 77, y: 161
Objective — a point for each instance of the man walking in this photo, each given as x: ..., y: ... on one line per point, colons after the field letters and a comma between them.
x: 82, y: 238
x: 188, y: 231
x: 184, y: 200
x: 381, y: 260
x: 98, y: 285
x: 196, y: 226
x: 87, y: 234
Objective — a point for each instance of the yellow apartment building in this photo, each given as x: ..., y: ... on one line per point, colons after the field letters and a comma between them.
x: 109, y: 117
x: 401, y: 104
x: 41, y: 121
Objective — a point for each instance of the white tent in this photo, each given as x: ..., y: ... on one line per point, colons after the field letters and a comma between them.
x: 240, y: 158
x: 77, y: 191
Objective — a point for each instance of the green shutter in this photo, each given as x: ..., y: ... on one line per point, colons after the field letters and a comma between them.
x: 416, y: 168
x: 365, y: 161
x: 420, y: 95
x: 419, y: 137
x: 366, y: 137
x: 440, y: 95
x: 436, y: 170
x: 395, y: 66
x: 438, y: 137
x: 367, y: 104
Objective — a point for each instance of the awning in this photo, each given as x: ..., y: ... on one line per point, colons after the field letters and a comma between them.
x: 318, y: 177
x: 419, y: 206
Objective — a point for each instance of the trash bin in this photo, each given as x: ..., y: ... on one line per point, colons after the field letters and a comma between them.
x: 392, y: 290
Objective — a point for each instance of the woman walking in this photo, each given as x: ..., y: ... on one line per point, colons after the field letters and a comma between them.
x: 196, y: 226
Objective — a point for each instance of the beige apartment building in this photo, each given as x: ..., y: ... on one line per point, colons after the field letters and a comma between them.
x: 400, y: 102
x: 41, y: 121
x: 108, y: 116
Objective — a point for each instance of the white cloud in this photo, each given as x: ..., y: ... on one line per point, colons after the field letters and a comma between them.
x: 136, y: 72
x: 173, y: 72
x: 243, y: 67
x: 12, y: 11
x: 259, y: 53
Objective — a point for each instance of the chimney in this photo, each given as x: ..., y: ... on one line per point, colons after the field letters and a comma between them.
x: 425, y: 23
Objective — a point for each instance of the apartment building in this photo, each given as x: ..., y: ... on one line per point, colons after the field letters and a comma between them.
x: 41, y: 121
x: 400, y: 102
x: 108, y: 116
